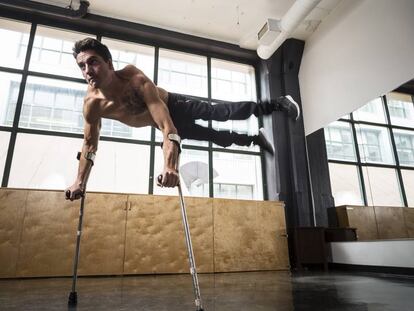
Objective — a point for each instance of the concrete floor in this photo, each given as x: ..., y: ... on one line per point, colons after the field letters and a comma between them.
x: 258, y: 291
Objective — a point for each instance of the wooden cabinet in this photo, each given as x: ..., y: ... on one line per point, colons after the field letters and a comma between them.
x: 136, y: 234
x: 12, y: 207
x: 310, y: 246
x: 377, y: 222
x: 360, y: 217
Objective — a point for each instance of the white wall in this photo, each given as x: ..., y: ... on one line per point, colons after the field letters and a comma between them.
x: 362, y: 50
x: 390, y: 253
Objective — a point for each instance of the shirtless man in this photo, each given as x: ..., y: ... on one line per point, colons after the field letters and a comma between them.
x: 130, y: 97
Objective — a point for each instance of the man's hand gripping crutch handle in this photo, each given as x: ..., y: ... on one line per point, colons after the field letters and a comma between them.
x: 75, y: 192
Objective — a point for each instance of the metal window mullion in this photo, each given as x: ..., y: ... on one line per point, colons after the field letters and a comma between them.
x: 153, y: 143
x: 261, y: 124
x: 13, y: 136
x: 359, y: 163
x: 210, y: 125
x: 394, y: 149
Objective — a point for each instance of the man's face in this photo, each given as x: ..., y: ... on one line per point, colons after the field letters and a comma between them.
x: 94, y: 69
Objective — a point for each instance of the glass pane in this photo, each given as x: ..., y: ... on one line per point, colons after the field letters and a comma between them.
x: 374, y: 144
x: 52, y: 165
x: 340, y: 143
x: 237, y: 176
x: 9, y: 92
x: 159, y: 136
x: 401, y: 109
x: 194, y: 172
x: 121, y: 167
x: 232, y: 81
x: 346, y: 187
x: 4, y: 147
x: 57, y: 105
x: 249, y: 127
x: 53, y: 105
x: 371, y: 112
x: 382, y: 187
x: 408, y: 179
x: 52, y: 52
x: 183, y: 73
x: 16, y: 35
x: 404, y: 141
x: 127, y: 53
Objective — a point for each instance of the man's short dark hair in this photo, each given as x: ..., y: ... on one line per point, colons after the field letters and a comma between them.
x: 92, y: 44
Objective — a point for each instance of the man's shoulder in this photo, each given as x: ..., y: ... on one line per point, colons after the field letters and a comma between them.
x: 130, y: 72
x: 92, y: 108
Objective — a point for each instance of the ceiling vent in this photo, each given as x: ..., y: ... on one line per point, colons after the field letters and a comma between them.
x: 269, y: 31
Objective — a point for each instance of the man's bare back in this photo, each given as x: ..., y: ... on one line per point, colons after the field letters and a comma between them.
x: 123, y: 101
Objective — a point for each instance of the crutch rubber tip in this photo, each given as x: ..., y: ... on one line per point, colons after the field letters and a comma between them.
x: 73, y: 299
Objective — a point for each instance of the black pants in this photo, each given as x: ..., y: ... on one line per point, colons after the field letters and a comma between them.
x: 184, y: 110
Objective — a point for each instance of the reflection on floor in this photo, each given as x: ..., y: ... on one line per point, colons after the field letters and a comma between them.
x: 251, y: 291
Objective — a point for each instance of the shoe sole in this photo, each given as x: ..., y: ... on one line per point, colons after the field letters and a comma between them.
x: 296, y: 105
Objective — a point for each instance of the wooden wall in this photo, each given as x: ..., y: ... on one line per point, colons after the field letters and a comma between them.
x: 378, y: 222
x: 137, y: 234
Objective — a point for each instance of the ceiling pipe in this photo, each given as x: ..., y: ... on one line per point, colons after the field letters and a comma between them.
x: 47, y: 9
x: 289, y: 22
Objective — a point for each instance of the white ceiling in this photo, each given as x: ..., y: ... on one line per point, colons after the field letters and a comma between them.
x: 232, y: 21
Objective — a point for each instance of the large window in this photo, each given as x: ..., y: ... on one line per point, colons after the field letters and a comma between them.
x: 377, y: 168
x: 234, y: 82
x: 183, y: 73
x: 41, y: 118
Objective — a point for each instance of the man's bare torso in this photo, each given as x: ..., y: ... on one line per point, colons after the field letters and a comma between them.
x: 127, y: 105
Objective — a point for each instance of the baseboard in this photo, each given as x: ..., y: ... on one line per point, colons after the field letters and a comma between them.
x: 376, y: 269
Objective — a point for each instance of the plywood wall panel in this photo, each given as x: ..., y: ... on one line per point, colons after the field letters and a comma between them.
x: 200, y: 219
x: 390, y: 220
x: 12, y: 206
x: 154, y: 236
x: 409, y: 221
x: 235, y: 235
x: 103, y: 236
x: 48, y: 235
x: 363, y: 218
x: 272, y: 245
x: 130, y: 234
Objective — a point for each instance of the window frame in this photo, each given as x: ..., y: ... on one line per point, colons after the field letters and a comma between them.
x: 25, y: 73
x: 397, y: 166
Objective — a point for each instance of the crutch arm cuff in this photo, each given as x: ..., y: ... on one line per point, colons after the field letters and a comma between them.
x: 90, y: 156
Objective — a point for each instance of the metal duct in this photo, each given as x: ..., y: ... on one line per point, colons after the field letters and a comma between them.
x: 47, y: 9
x: 289, y: 22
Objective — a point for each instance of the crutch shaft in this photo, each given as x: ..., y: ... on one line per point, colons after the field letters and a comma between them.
x: 191, y: 259
x: 73, y: 295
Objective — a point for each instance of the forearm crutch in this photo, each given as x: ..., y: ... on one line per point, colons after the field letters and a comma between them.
x: 73, y: 296
x: 193, y: 270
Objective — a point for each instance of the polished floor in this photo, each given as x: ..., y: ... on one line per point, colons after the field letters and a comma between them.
x: 250, y: 291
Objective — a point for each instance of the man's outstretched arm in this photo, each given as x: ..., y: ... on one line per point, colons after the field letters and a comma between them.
x: 92, y: 129
x: 161, y: 116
